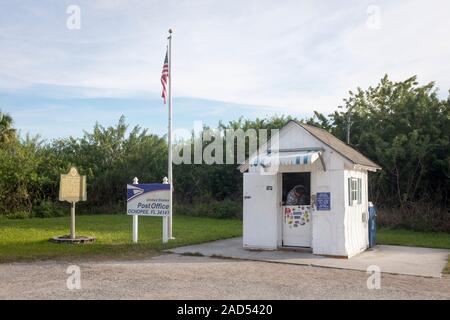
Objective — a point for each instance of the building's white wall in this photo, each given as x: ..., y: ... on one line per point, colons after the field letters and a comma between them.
x: 260, y: 216
x: 279, y: 213
x: 340, y: 231
x: 356, y: 217
x: 328, y: 226
x: 293, y: 136
x: 328, y: 229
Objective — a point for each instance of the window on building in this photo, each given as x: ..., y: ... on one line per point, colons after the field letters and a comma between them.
x: 293, y: 180
x: 354, y: 190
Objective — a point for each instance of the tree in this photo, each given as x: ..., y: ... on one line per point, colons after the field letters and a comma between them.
x: 405, y: 128
x: 7, y: 133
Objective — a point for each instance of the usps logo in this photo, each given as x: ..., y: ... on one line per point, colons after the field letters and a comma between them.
x: 150, y: 199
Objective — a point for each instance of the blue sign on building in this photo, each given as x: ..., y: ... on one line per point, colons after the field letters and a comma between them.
x: 323, y: 201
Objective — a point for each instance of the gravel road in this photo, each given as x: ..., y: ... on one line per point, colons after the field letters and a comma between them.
x: 173, y: 276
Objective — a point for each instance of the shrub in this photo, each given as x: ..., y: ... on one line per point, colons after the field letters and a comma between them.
x: 415, y: 216
x: 18, y: 215
x: 85, y: 208
x: 214, y: 209
x: 48, y: 209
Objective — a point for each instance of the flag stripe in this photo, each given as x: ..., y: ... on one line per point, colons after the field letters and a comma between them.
x: 165, y: 77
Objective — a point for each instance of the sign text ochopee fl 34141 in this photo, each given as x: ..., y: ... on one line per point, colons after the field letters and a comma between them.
x: 155, y: 207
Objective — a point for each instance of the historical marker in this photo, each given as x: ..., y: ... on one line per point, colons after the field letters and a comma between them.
x: 72, y: 188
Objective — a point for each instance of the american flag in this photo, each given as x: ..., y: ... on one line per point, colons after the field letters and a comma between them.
x: 164, y: 77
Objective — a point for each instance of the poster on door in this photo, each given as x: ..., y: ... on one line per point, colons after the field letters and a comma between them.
x: 296, y: 216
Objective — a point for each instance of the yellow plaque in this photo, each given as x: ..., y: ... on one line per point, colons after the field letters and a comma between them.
x: 72, y: 186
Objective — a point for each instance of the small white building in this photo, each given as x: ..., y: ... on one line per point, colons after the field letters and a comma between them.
x: 308, y: 189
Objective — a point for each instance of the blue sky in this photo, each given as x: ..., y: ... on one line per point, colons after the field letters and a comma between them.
x: 250, y: 58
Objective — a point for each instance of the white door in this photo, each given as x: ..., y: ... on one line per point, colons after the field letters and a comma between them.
x: 260, y: 211
x: 297, y: 226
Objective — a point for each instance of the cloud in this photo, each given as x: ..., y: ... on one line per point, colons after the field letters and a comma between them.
x: 290, y: 55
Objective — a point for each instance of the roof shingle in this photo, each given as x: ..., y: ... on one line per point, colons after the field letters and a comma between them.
x: 339, y: 146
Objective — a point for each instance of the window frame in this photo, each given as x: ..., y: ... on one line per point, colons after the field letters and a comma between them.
x: 354, y: 190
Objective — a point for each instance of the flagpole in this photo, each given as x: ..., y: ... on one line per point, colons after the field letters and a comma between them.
x: 169, y: 137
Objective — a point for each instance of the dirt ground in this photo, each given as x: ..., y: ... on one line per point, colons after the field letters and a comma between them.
x: 173, y: 276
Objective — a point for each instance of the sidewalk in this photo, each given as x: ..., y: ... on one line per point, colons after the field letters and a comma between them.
x: 424, y: 262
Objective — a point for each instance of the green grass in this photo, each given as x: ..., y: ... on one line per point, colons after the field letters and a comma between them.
x: 28, y: 239
x: 415, y: 239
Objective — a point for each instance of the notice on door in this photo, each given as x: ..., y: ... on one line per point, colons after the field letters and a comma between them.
x: 323, y: 201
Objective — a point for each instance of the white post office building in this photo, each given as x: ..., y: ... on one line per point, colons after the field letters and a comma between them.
x: 307, y: 190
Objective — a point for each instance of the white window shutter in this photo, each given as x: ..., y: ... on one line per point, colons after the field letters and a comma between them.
x: 350, y: 202
x: 359, y: 191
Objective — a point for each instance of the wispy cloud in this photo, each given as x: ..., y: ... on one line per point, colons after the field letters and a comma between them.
x: 293, y: 56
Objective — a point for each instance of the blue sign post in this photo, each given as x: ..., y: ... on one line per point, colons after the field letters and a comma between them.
x: 323, y: 201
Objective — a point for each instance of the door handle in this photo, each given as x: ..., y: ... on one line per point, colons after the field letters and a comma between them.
x: 247, y: 197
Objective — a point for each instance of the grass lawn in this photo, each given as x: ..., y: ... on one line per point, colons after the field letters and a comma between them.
x: 28, y: 239
x: 415, y: 239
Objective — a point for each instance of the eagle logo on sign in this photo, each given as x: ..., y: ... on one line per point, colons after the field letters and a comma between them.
x: 135, y: 191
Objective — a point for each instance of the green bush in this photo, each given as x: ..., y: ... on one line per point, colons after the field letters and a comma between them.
x: 48, y: 209
x: 85, y: 208
x: 19, y: 215
x: 402, y: 126
x: 415, y: 216
x: 214, y: 209
x: 226, y: 209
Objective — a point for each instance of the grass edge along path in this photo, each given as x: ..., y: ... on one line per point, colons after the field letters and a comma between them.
x: 438, y: 240
x: 27, y: 239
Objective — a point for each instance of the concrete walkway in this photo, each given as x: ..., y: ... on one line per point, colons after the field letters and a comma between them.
x: 414, y: 261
